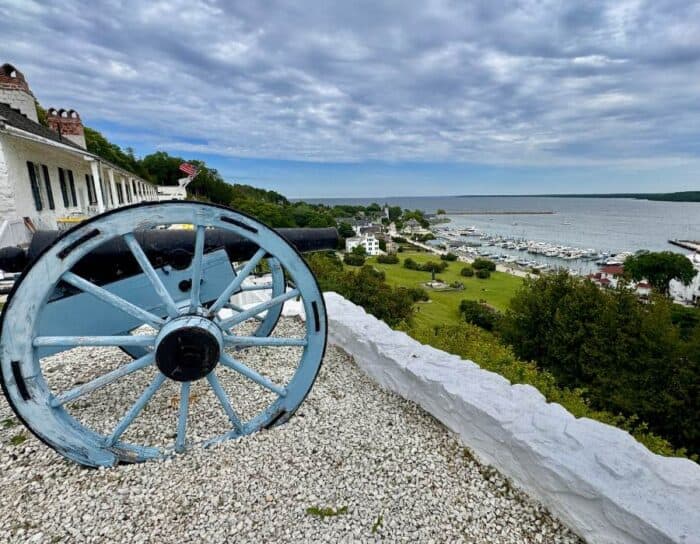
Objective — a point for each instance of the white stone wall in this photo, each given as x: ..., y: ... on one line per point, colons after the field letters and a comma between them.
x: 20, y: 100
x: 597, y: 479
x: 7, y: 193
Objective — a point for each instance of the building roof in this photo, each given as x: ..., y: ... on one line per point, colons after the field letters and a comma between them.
x: 14, y: 118
x: 613, y: 269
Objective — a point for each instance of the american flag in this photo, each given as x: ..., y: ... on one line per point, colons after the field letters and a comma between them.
x: 188, y: 169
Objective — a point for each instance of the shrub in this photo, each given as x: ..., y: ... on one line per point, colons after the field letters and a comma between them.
x: 354, y: 259
x: 484, y: 264
x: 535, y: 271
x: 388, y: 259
x: 467, y: 271
x: 470, y: 342
x: 410, y: 264
x: 366, y: 287
x: 418, y: 294
x: 483, y: 274
x: 479, y: 314
x: 432, y: 266
x: 399, y: 239
x: 629, y: 356
x: 457, y: 285
x: 448, y: 257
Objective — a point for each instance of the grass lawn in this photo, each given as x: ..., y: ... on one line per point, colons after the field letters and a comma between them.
x: 444, y: 306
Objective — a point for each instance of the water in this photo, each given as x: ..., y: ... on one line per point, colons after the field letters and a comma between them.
x: 605, y: 224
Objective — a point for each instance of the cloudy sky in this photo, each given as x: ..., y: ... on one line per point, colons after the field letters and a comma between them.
x: 372, y: 98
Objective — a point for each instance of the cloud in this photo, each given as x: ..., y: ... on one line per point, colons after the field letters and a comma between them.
x: 512, y: 82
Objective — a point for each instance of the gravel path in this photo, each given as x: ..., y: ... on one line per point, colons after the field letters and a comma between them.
x: 386, y: 468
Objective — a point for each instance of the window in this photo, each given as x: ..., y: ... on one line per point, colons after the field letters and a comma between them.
x: 120, y: 194
x: 64, y: 187
x: 34, y: 181
x: 71, y: 182
x: 92, y: 199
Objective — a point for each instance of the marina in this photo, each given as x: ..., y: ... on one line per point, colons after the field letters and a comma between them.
x: 523, y: 253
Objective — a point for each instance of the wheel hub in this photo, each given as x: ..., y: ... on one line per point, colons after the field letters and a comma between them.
x: 188, y: 348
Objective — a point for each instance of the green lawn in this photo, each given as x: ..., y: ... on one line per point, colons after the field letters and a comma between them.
x: 443, y: 306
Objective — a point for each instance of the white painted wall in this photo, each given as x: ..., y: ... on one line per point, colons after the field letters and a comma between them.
x: 597, y: 479
x: 20, y: 100
x: 687, y: 294
x: 15, y: 153
x: 16, y: 199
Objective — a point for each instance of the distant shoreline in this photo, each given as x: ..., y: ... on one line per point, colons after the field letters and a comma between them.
x: 681, y: 196
x: 501, y: 212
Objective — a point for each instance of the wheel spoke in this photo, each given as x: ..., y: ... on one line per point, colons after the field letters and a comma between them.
x: 112, y: 299
x: 197, y: 267
x: 151, y: 273
x: 182, y: 418
x: 126, y: 340
x: 263, y: 341
x: 223, y: 399
x: 251, y: 374
x: 237, y: 281
x: 135, y: 410
x: 105, y: 379
x: 240, y: 309
x: 258, y: 287
x: 255, y: 310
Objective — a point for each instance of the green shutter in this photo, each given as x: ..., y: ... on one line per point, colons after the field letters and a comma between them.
x: 71, y: 182
x: 47, y: 184
x: 64, y: 187
x: 35, y: 187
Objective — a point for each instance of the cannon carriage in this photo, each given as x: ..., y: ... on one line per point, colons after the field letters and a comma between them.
x: 172, y: 285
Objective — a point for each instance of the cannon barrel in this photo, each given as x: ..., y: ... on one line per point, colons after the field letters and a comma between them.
x: 113, y: 259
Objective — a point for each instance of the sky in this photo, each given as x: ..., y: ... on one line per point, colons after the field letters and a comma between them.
x: 382, y: 98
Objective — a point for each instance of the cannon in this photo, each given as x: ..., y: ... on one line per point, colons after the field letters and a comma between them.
x: 181, y: 287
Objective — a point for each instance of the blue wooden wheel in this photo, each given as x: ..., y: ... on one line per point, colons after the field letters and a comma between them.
x: 192, y: 343
x: 266, y: 320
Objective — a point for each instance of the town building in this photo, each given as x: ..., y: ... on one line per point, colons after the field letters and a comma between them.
x: 368, y: 241
x: 413, y: 227
x: 48, y: 179
x: 687, y: 294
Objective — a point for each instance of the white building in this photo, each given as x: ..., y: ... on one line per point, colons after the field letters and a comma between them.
x: 370, y: 243
x: 687, y: 294
x: 47, y: 177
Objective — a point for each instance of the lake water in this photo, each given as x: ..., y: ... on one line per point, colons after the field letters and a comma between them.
x: 604, y: 224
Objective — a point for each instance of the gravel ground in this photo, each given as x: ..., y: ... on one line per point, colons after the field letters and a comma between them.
x: 385, y: 468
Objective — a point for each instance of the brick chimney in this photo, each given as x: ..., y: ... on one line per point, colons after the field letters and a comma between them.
x: 15, y: 92
x: 68, y: 124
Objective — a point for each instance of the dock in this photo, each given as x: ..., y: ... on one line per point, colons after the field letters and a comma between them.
x: 692, y: 245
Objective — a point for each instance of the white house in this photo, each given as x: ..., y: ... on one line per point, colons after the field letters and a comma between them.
x: 687, y: 294
x: 370, y: 243
x: 47, y: 177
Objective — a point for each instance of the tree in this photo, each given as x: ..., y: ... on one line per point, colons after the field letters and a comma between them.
x: 448, y: 257
x: 659, y: 268
x: 345, y: 230
x: 467, y: 272
x: 360, y: 250
x: 483, y: 273
x: 353, y: 259
x: 483, y: 264
x: 479, y: 314
x: 395, y: 213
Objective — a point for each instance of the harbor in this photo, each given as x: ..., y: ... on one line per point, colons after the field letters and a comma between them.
x: 522, y: 253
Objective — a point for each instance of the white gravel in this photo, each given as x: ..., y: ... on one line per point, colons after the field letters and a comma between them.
x: 394, y: 473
